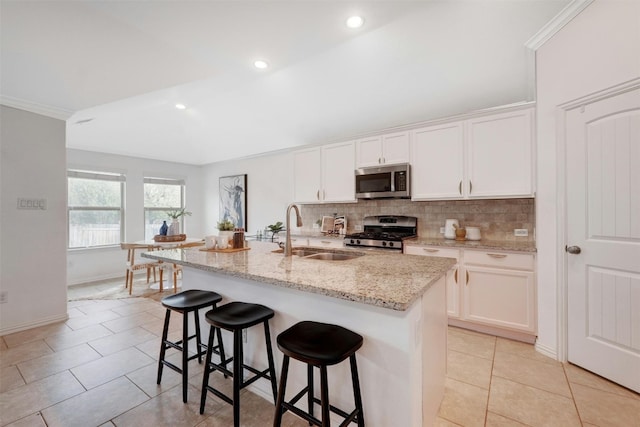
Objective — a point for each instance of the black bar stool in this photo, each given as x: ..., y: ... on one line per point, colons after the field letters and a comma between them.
x: 235, y: 317
x: 320, y: 345
x: 185, y: 302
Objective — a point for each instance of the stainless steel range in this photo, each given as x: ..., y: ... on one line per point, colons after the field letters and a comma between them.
x: 384, y: 231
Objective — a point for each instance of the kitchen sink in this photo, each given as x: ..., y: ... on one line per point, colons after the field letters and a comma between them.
x: 322, y: 254
x: 333, y: 256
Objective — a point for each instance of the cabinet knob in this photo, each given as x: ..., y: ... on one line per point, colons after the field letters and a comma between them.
x: 455, y: 276
x: 318, y: 195
x: 470, y: 187
x: 467, y: 277
x: 430, y: 250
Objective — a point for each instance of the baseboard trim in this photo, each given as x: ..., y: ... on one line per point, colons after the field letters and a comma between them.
x: 547, y: 351
x: 40, y: 322
x: 504, y: 333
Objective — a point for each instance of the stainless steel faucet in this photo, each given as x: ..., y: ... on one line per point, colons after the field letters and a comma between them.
x: 287, y: 245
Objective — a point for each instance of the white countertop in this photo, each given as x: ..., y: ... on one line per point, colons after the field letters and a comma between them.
x: 389, y: 280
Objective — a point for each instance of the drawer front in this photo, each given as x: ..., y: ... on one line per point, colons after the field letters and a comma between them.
x: 432, y: 251
x: 500, y: 259
x: 327, y: 243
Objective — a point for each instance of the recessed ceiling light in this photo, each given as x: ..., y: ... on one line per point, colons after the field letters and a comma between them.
x: 355, y: 22
x: 260, y: 64
x: 180, y: 106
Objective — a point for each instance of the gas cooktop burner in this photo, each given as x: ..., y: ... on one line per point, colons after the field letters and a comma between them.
x: 386, y: 232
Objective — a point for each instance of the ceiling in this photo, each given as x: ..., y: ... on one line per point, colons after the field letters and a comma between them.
x: 116, y: 69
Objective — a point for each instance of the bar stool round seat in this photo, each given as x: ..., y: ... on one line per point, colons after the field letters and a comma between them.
x: 236, y: 317
x: 185, y: 302
x: 320, y: 345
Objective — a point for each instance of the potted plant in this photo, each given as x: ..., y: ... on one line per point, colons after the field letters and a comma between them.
x: 275, y: 229
x: 175, y: 215
x: 225, y: 231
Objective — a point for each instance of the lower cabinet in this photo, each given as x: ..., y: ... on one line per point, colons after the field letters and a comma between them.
x: 494, y: 289
x: 453, y: 293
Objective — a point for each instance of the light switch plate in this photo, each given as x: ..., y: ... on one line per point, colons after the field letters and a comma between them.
x: 521, y: 232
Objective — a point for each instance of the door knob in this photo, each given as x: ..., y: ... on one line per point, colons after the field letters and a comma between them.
x: 573, y: 249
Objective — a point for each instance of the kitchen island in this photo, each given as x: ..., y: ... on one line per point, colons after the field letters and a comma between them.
x: 396, y: 302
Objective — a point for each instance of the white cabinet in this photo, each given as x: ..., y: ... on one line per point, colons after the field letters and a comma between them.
x: 499, y: 290
x: 452, y: 278
x: 499, y: 155
x: 387, y: 149
x: 484, y: 157
x: 327, y: 242
x: 487, y: 288
x: 324, y: 174
x: 437, y: 165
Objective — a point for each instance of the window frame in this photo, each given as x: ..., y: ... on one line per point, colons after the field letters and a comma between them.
x: 98, y: 176
x: 163, y: 181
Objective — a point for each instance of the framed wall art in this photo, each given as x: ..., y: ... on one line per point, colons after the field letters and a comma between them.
x: 233, y: 199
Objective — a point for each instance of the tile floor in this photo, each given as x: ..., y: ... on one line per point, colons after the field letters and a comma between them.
x: 98, y: 369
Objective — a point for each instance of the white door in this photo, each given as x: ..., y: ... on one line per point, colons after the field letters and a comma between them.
x: 603, y: 236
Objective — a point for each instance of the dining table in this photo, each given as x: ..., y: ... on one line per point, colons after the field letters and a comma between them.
x: 152, y: 245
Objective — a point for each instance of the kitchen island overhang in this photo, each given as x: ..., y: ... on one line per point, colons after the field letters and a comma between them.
x: 396, y: 302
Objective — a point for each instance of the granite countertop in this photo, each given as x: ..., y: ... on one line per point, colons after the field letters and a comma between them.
x: 496, y: 245
x: 390, y: 280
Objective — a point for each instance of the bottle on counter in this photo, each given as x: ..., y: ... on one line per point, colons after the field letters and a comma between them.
x: 164, y: 228
x: 238, y: 238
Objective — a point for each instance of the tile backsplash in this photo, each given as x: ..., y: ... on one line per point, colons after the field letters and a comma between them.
x: 496, y: 218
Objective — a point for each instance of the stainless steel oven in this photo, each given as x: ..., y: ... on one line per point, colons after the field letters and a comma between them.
x: 391, y: 181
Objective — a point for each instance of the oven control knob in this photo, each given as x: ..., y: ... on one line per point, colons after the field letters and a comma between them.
x: 357, y: 242
x: 390, y: 243
x: 384, y: 243
x: 352, y: 241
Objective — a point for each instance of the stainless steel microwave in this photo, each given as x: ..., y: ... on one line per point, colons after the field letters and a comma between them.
x: 379, y: 182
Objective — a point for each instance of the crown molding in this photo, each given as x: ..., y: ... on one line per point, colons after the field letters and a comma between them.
x: 34, y: 107
x: 570, y: 11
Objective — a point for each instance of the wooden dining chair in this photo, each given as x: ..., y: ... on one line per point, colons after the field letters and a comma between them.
x: 134, y: 264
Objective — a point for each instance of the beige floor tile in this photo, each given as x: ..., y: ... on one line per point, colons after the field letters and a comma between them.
x: 137, y: 306
x: 545, y: 376
x: 96, y: 406
x: 530, y: 405
x: 128, y: 322
x: 167, y: 409
x: 523, y: 350
x: 577, y: 375
x: 21, y: 353
x: 441, y: 422
x: 107, y: 424
x: 106, y: 369
x: 50, y: 364
x: 121, y: 340
x: 3, y: 345
x: 31, y: 398
x: 10, y: 378
x: 85, y: 320
x: 463, y: 403
x: 75, y: 304
x: 495, y: 420
x: 74, y: 312
x: 606, y: 409
x: 469, y: 369
x: 157, y: 325
x: 74, y: 338
x: 472, y: 343
x: 100, y: 305
x: 145, y: 378
x: 34, y: 420
x: 35, y: 334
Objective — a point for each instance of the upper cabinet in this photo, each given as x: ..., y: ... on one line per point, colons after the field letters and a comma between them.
x: 387, y: 149
x: 324, y: 174
x: 484, y: 157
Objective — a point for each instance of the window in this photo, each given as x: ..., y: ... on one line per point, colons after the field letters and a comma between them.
x: 161, y: 196
x: 95, y: 209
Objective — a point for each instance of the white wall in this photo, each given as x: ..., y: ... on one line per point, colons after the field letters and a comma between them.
x: 269, y: 189
x: 33, y: 242
x: 598, y: 49
x: 86, y: 265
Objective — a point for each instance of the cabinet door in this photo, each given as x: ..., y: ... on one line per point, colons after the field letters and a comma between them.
x: 499, y: 297
x: 338, y: 164
x: 307, y: 176
x: 437, y: 162
x: 452, y: 277
x: 395, y: 148
x: 499, y: 155
x: 369, y: 151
